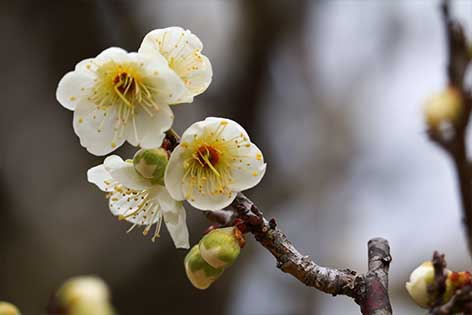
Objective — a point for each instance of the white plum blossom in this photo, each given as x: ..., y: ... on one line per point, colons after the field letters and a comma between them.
x: 120, y: 96
x: 136, y: 200
x: 214, y: 161
x: 182, y: 51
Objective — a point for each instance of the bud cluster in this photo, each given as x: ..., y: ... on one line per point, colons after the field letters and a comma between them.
x: 215, y: 252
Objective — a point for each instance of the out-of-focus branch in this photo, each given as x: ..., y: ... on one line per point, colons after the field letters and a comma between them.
x: 455, y: 144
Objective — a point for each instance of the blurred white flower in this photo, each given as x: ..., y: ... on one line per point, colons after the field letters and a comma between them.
x: 8, y: 309
x: 137, y: 200
x: 182, y: 50
x: 84, y: 295
x: 120, y: 96
x: 213, y: 162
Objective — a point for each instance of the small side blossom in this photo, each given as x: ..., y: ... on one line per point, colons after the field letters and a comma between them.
x: 120, y: 96
x: 214, y: 161
x: 137, y: 200
x: 183, y: 52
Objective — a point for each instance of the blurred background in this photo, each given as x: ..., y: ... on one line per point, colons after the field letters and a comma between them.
x: 332, y: 93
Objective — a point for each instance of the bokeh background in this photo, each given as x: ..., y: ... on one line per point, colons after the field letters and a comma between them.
x: 331, y: 91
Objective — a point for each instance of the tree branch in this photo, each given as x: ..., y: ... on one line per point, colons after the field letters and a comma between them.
x: 370, y: 290
x: 455, y: 144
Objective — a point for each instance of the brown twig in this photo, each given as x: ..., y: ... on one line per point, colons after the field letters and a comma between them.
x: 369, y: 290
x: 438, y: 288
x: 455, y: 144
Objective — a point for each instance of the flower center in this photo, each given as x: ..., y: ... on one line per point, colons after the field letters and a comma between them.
x: 206, y: 152
x: 124, y: 83
x: 207, y: 156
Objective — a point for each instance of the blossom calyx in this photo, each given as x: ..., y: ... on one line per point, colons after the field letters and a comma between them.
x: 198, y: 271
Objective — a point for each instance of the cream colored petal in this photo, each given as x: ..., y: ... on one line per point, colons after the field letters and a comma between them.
x: 96, y: 128
x: 126, y: 205
x: 231, y: 128
x: 182, y: 50
x: 115, y: 54
x: 248, y: 170
x: 73, y: 87
x: 99, y: 176
x: 124, y: 173
x: 148, y: 128
x: 204, y: 201
x: 169, y: 87
x: 174, y: 217
x: 175, y: 172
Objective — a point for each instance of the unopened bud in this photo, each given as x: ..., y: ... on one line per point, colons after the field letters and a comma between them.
x: 8, y: 309
x: 420, y: 284
x: 221, y: 247
x: 151, y: 164
x: 84, y: 296
x: 199, y: 272
x: 444, y: 107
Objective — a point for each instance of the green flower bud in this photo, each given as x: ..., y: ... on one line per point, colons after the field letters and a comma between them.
x: 221, y: 247
x: 84, y: 296
x: 200, y: 274
x: 423, y: 277
x: 8, y: 309
x: 151, y: 164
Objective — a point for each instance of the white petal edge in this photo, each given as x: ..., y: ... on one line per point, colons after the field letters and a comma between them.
x: 174, y: 218
x: 252, y: 168
x: 124, y: 173
x: 149, y: 131
x: 95, y: 128
x: 72, y: 88
x: 175, y: 172
x: 217, y: 202
x: 99, y: 176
